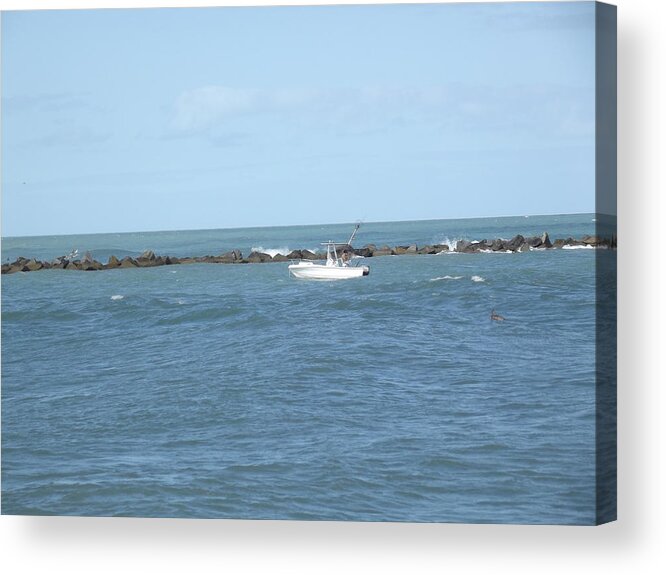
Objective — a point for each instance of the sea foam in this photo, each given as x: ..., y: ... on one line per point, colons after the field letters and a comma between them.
x: 446, y: 278
x: 448, y: 242
x: 271, y: 251
x: 117, y: 297
x: 477, y: 279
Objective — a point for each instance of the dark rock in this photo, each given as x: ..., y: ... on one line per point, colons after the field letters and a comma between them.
x: 258, y: 257
x: 560, y: 243
x: 295, y: 255
x: 413, y: 249
x: 128, y: 262
x: 462, y: 245
x: 73, y: 265
x: 280, y: 258
x: 428, y: 250
x: 497, y: 245
x: 399, y: 250
x: 230, y: 257
x: 112, y: 263
x: 308, y: 255
x: 148, y: 259
x: 514, y: 243
x: 14, y: 268
x: 365, y: 252
x: 533, y: 242
x: 91, y: 265
x: 590, y: 240
x: 441, y: 248
x: 545, y: 241
x: 467, y: 247
x: 32, y: 265
x: 383, y: 251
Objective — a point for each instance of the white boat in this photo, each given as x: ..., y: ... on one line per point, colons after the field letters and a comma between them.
x: 336, y: 267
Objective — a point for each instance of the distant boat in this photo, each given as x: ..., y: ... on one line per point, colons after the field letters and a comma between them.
x: 337, y: 267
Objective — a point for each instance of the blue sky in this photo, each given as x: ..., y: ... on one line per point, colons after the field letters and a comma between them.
x: 157, y: 119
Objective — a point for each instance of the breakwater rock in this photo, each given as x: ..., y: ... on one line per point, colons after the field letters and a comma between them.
x: 149, y: 259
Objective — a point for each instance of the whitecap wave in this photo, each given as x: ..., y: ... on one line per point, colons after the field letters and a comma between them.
x: 440, y: 278
x: 585, y: 247
x: 117, y: 297
x: 477, y: 279
x: 271, y: 251
x: 448, y: 242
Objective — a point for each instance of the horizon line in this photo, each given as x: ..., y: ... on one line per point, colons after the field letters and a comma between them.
x: 301, y: 225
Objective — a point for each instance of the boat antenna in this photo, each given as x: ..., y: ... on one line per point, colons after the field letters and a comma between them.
x: 353, y: 234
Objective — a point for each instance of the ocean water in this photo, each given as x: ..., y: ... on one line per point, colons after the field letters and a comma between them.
x: 235, y: 391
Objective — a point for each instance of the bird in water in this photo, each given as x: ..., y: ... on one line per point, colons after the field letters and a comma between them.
x: 496, y: 316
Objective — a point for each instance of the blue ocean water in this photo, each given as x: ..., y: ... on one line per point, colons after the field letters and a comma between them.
x: 236, y: 391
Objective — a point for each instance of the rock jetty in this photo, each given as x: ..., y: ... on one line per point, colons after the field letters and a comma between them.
x: 148, y: 258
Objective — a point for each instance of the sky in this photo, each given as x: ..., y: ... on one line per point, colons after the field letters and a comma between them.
x: 201, y: 118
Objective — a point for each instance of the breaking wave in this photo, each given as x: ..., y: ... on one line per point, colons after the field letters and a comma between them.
x: 477, y: 279
x: 449, y: 242
x: 446, y: 278
x: 585, y: 247
x: 117, y: 297
x: 271, y: 251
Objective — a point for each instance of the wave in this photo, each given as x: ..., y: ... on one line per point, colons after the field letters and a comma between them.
x: 271, y: 251
x: 446, y: 241
x: 477, y: 279
x: 117, y: 297
x: 585, y: 247
x: 445, y: 278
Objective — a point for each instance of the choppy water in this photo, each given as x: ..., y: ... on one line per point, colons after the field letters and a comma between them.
x: 236, y: 391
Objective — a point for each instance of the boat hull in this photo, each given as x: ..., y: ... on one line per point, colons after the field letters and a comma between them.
x: 322, y: 272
